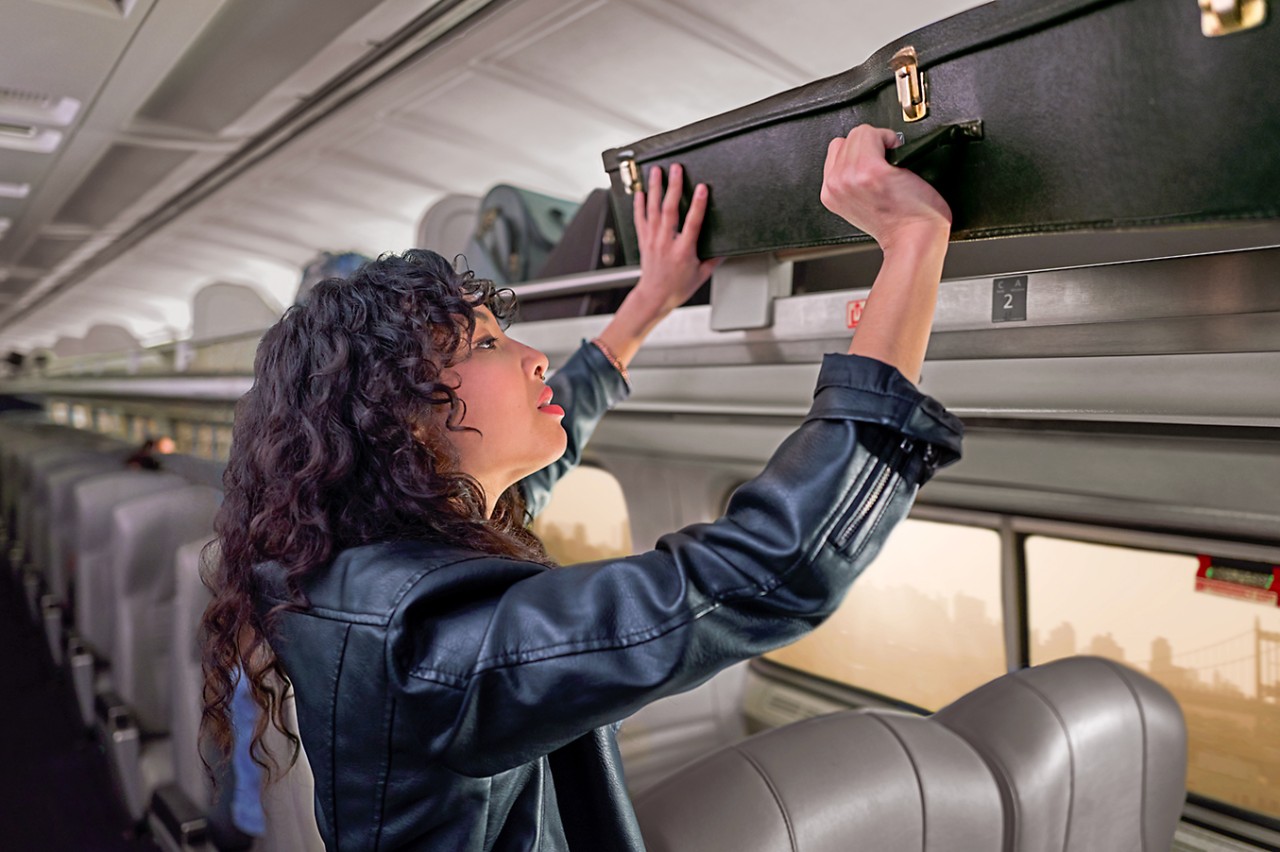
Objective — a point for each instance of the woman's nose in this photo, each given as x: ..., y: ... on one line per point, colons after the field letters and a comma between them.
x: 540, y: 363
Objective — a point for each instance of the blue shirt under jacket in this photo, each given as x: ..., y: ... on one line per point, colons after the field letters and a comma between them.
x: 454, y: 700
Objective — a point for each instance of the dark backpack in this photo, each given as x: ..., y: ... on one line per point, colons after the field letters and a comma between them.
x: 516, y: 232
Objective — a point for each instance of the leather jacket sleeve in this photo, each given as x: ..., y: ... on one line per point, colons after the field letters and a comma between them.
x: 586, y: 387
x: 561, y: 652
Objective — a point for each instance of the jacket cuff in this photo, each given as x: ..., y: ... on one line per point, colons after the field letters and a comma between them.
x: 854, y: 387
x: 616, y: 388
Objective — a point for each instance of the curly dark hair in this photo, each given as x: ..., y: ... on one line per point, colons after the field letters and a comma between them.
x: 341, y: 442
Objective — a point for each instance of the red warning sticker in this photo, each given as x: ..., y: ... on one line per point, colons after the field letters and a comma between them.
x: 853, y: 312
x: 1232, y: 578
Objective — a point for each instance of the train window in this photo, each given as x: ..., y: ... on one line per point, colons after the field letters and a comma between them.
x: 222, y: 442
x: 81, y: 416
x: 204, y: 441
x: 106, y: 421
x: 60, y: 413
x: 586, y: 519
x: 1219, y: 657
x: 184, y: 435
x: 923, y: 624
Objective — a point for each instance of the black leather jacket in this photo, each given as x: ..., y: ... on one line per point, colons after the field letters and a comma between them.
x: 452, y: 700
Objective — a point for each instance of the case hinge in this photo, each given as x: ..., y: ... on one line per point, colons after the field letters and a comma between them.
x: 630, y: 174
x: 913, y: 92
x: 1224, y: 17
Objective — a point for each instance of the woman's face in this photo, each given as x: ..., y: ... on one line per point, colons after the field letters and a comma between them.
x: 501, y: 382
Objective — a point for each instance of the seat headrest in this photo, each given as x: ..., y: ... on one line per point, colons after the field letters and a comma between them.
x: 1091, y: 756
x: 865, y: 780
x: 1079, y: 755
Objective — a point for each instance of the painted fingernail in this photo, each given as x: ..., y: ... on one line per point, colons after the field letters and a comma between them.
x: 902, y: 139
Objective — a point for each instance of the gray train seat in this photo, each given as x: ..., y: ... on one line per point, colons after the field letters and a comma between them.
x: 195, y: 470
x: 30, y: 508
x: 52, y: 541
x: 95, y: 499
x: 186, y: 680
x: 187, y: 808
x: 1091, y: 755
x: 288, y: 804
x: 15, y: 464
x: 91, y: 585
x: 146, y: 533
x: 58, y: 545
x: 1078, y: 754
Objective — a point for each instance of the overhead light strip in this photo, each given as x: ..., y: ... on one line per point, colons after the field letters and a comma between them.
x: 23, y: 107
x: 26, y: 137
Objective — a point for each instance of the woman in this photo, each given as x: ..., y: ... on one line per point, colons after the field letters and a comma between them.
x: 452, y: 691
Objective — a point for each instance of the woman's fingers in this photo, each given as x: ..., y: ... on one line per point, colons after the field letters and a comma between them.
x: 671, y: 200
x: 638, y: 208
x: 697, y: 212
x: 655, y: 195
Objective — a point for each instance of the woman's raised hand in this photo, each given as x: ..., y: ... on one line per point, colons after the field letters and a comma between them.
x: 912, y: 224
x: 670, y: 271
x: 884, y: 201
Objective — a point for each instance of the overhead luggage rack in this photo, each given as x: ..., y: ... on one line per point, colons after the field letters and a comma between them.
x: 1193, y: 333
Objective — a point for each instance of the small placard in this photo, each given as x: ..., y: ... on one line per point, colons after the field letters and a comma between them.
x: 1009, y: 299
x: 1256, y: 582
x: 853, y: 312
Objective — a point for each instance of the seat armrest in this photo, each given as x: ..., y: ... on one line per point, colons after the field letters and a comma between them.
x: 177, y: 817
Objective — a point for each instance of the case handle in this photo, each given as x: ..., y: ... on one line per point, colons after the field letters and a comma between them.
x: 953, y: 134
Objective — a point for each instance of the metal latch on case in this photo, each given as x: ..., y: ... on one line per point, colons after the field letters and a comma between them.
x: 1224, y: 17
x: 629, y: 172
x: 913, y: 92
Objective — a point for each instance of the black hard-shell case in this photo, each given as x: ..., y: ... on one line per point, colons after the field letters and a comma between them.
x: 1092, y: 114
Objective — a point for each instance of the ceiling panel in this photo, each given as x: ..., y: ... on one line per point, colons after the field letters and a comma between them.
x: 17, y: 282
x: 34, y: 33
x: 633, y: 61
x: 562, y: 139
x: 368, y: 185
x: 48, y: 252
x: 123, y: 175
x: 328, y: 225
x: 822, y: 37
x: 248, y: 49
x: 459, y: 166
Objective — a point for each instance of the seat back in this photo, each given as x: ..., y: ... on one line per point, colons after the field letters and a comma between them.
x: 1079, y: 754
x: 195, y: 470
x: 95, y: 499
x: 855, y: 780
x: 1090, y: 755
x: 190, y: 597
x: 146, y: 532
x: 58, y: 537
x: 29, y: 471
x: 39, y: 496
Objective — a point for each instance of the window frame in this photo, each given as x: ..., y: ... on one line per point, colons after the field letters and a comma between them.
x: 1014, y: 530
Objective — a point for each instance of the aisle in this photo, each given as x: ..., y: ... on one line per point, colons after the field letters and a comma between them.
x: 55, y: 787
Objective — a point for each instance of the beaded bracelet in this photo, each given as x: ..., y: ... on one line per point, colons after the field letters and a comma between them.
x: 612, y: 359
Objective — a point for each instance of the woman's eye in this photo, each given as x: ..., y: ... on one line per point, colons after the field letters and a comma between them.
x: 485, y: 343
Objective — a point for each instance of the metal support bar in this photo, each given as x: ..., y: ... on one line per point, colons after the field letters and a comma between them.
x: 743, y: 291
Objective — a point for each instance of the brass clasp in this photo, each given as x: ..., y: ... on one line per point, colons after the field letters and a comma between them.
x: 1224, y: 17
x: 630, y: 174
x: 913, y: 92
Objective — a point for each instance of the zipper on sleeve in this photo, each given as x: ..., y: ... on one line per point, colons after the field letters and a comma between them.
x: 870, y: 495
